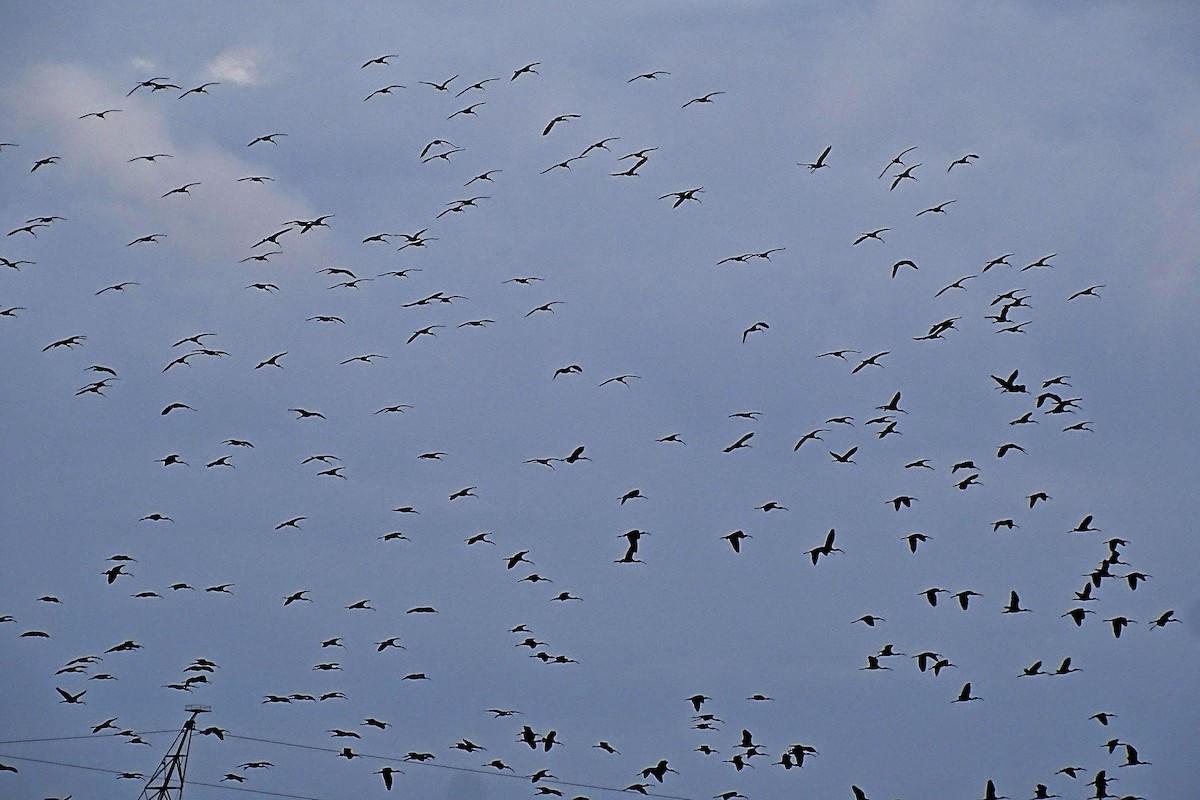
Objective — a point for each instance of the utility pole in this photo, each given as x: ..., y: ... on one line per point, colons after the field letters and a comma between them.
x: 167, y: 781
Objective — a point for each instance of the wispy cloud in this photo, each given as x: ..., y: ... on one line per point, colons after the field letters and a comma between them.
x: 218, y: 220
x: 243, y: 67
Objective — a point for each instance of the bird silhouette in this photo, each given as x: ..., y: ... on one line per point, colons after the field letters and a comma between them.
x: 820, y: 162
x: 707, y: 98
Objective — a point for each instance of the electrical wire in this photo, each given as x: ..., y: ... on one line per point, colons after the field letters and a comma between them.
x: 69, y: 738
x: 474, y: 770
x: 118, y: 772
x: 333, y: 750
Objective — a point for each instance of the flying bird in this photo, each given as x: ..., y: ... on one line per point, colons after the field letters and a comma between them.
x: 381, y: 60
x: 270, y: 138
x: 560, y: 118
x: 201, y: 89
x: 708, y: 98
x: 820, y: 162
x: 965, y: 160
x: 528, y: 69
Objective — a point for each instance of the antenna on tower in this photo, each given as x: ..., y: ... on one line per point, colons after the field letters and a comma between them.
x: 167, y: 781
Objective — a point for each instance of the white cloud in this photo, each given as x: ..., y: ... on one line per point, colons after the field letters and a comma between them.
x: 241, y: 67
x: 218, y: 223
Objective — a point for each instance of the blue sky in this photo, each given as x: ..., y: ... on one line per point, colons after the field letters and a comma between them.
x: 1084, y: 120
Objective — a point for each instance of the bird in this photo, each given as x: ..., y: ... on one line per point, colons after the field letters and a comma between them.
x: 483, y: 176
x: 965, y: 160
x: 1040, y: 263
x: 273, y: 238
x: 708, y: 98
x: 469, y: 110
x: 101, y: 114
x: 273, y: 361
x: 201, y: 89
x: 989, y: 790
x: 964, y: 597
x: 152, y: 157
x: 387, y: 773
x: 621, y: 379
x: 384, y: 90
x: 1014, y: 604
x: 844, y: 458
x: 528, y: 69
x: 1065, y: 668
x: 270, y: 138
x: 940, y: 208
x: 965, y: 694
x: 1131, y: 757
x: 307, y: 225
x: 820, y: 162
x: 147, y: 239
x: 1037, y: 496
x: 561, y: 165
x: 735, y: 541
x: 73, y: 699
x: 444, y: 86
x: 824, y: 549
x: 686, y: 194
x: 758, y: 326
x: 873, y: 664
x: 381, y: 60
x: 906, y: 174
x: 740, y: 443
x: 658, y: 770
x: 445, y: 156
x: 810, y: 436
x: 896, y: 161
x: 873, y: 361
x: 31, y: 229
x: 1009, y: 384
x: 560, y: 118
x: 1034, y: 669
x: 1088, y: 292
x: 1119, y: 624
x: 545, y: 307
x: 631, y: 495
x: 263, y: 257
x: 870, y: 235
x: 69, y: 342
x: 479, y: 85
x: 575, y: 456
x: 1163, y: 620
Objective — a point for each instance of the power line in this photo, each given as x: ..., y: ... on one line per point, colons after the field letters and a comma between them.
x: 69, y: 738
x: 60, y: 764
x: 474, y: 770
x: 333, y: 750
x: 119, y: 772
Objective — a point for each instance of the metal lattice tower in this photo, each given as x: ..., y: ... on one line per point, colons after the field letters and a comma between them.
x: 167, y: 781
